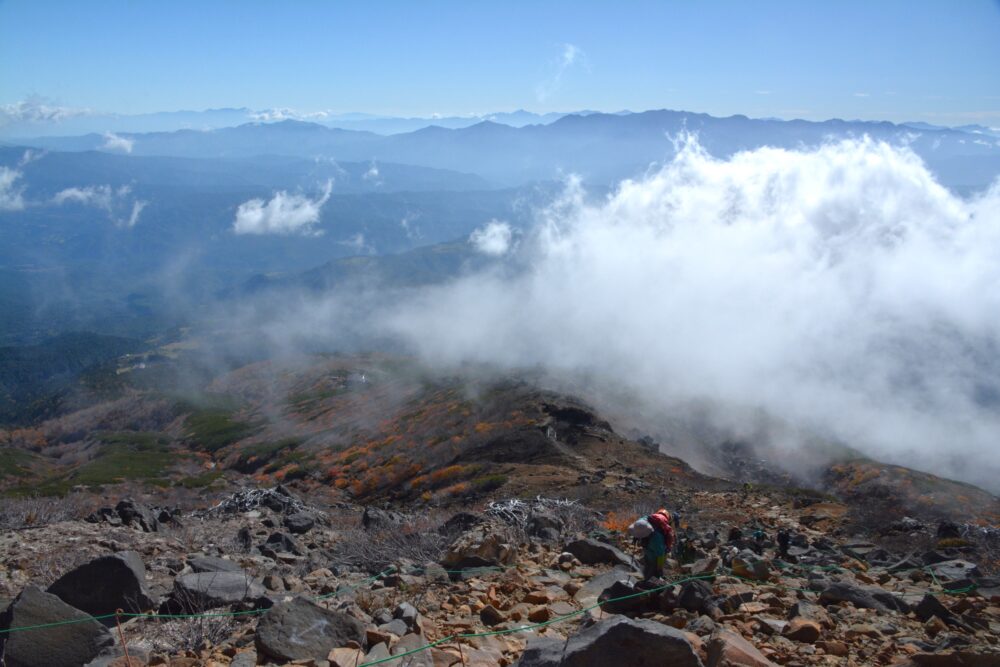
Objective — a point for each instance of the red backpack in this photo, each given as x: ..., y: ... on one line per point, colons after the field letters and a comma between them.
x: 660, y: 521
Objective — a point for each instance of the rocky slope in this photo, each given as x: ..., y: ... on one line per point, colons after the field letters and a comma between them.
x: 531, y: 583
x: 359, y: 511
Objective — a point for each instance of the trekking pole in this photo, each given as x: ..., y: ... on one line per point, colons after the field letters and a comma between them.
x: 121, y: 636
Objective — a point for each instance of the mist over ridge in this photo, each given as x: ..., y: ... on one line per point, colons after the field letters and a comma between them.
x: 841, y: 290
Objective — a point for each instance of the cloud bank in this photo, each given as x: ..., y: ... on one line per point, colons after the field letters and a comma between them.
x: 283, y: 214
x: 841, y: 290
x: 37, y: 109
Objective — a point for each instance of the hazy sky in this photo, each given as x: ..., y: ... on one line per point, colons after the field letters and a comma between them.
x: 914, y: 60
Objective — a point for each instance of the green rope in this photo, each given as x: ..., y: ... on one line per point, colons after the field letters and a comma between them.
x: 57, y: 623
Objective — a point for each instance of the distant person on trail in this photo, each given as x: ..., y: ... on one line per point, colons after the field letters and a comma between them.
x: 657, y: 539
x: 784, y: 540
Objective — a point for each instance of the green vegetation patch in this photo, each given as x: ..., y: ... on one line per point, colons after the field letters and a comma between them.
x: 122, y: 456
x: 15, y: 462
x: 487, y: 483
x: 201, y: 481
x: 255, y: 456
x: 213, y: 429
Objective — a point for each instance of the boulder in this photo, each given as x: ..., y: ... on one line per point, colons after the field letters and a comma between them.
x: 803, y: 630
x: 376, y: 519
x: 300, y: 629
x: 460, y: 523
x: 282, y: 543
x: 491, y: 616
x: 751, y: 566
x: 76, y: 642
x: 728, y: 649
x: 611, y: 604
x: 106, y: 584
x: 696, y: 596
x: 299, y: 523
x: 208, y: 590
x: 591, y: 552
x: 479, y: 547
x: 587, y: 595
x: 407, y: 613
x: 134, y: 514
x: 859, y: 597
x: 213, y: 564
x: 545, y: 526
x: 614, y: 641
x: 954, y: 570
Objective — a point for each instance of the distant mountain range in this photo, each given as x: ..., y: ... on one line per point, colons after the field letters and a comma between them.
x: 602, y: 148
x: 211, y: 119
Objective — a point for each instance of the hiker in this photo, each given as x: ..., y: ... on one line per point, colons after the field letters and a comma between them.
x: 657, y: 539
x: 784, y: 541
x: 758, y: 536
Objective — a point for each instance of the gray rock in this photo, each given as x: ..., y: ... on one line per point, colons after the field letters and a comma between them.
x: 395, y: 626
x: 244, y: 659
x: 213, y: 564
x: 207, y: 590
x: 67, y: 645
x: 614, y: 641
x: 106, y: 584
x: 728, y: 648
x: 859, y: 597
x: 954, y: 570
x: 751, y: 566
x: 299, y: 523
x: 376, y: 519
x: 135, y: 514
x: 591, y: 552
x: 282, y: 543
x: 378, y: 652
x: 611, y: 604
x: 300, y: 629
x: 413, y: 642
x: 545, y: 526
x: 592, y: 589
x: 490, y: 616
x: 407, y: 613
x: 696, y: 596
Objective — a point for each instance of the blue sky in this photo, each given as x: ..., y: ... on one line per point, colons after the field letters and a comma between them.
x: 917, y: 60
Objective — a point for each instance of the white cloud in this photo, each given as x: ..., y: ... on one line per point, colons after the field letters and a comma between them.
x: 284, y: 213
x: 372, y: 174
x: 493, y: 238
x: 569, y: 55
x: 11, y: 196
x: 284, y: 113
x: 37, y: 109
x: 100, y: 196
x: 862, y: 94
x: 137, y: 208
x: 762, y: 92
x: 358, y: 244
x: 113, y: 142
x: 116, y: 202
x: 412, y: 231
